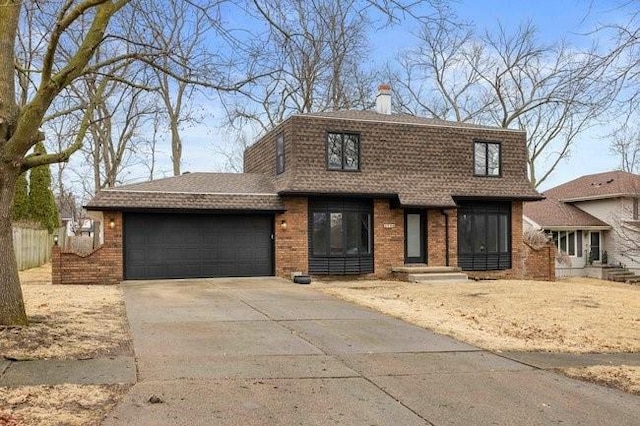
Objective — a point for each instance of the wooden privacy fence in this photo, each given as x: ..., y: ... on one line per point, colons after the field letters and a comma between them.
x: 32, y: 247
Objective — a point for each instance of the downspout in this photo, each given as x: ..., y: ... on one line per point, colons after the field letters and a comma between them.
x: 446, y: 237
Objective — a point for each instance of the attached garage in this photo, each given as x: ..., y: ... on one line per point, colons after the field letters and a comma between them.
x: 172, y: 245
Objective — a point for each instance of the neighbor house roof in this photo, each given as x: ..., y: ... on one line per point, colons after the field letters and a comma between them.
x: 195, y: 191
x: 598, y: 186
x: 559, y: 209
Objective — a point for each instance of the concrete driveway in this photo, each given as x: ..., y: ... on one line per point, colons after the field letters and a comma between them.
x: 264, y: 351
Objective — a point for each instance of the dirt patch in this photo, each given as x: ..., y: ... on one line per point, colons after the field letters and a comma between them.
x: 58, y: 405
x: 574, y: 315
x: 623, y: 377
x: 69, y: 322
x: 39, y: 275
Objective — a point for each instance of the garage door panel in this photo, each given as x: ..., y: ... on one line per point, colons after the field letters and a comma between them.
x: 186, y: 246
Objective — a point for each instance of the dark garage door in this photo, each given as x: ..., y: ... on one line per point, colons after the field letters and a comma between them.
x: 197, y: 245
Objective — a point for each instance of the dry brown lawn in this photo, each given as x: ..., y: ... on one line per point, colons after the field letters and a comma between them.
x: 573, y: 315
x: 58, y: 405
x: 66, y: 322
x: 625, y: 377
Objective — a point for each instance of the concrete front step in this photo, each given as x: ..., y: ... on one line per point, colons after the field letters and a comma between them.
x: 438, y: 277
x: 424, y: 269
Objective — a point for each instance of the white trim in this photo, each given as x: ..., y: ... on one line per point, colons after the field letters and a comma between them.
x: 531, y: 222
x: 577, y: 228
x: 598, y: 197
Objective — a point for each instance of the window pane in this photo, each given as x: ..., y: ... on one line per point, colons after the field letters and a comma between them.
x: 365, y: 233
x: 413, y: 235
x: 336, y: 245
x: 571, y: 240
x: 595, y: 245
x: 563, y: 242
x: 493, y: 161
x: 334, y: 151
x: 350, y: 152
x: 320, y: 234
x: 352, y: 224
x: 480, y: 233
x: 504, y: 233
x: 480, y: 158
x: 464, y: 233
x: 492, y: 233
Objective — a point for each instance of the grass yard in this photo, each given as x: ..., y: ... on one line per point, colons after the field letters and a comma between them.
x: 577, y: 315
x: 66, y: 322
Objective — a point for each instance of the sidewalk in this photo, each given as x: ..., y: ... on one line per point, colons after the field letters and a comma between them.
x: 122, y: 370
x: 97, y: 371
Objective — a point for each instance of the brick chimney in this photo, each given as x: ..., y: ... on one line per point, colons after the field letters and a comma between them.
x: 383, y: 100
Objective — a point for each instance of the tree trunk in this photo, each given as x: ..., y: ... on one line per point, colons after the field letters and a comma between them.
x: 12, y: 310
x: 176, y: 146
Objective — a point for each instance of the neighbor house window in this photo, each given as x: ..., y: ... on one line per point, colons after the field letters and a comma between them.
x: 566, y: 241
x: 486, y: 158
x: 635, y: 209
x: 280, y: 153
x: 343, y: 151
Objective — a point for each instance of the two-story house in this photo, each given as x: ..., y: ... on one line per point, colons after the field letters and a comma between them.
x: 344, y: 192
x: 593, y: 220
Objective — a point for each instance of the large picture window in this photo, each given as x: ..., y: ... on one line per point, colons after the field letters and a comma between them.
x: 486, y: 159
x: 340, y: 234
x: 484, y: 236
x: 343, y: 151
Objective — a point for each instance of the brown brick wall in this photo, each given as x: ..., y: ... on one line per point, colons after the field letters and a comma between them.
x: 292, y: 252
x: 101, y: 266
x: 388, y: 241
x: 539, y: 264
x: 436, y: 238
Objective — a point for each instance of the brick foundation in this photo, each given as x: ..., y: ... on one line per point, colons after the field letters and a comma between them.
x: 102, y: 266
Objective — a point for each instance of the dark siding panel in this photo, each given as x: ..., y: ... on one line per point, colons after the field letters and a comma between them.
x: 197, y: 246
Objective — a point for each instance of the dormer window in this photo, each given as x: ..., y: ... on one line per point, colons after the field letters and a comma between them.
x: 280, y: 153
x: 486, y: 159
x: 343, y: 151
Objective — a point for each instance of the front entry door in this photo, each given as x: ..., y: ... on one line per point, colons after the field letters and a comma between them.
x: 414, y: 246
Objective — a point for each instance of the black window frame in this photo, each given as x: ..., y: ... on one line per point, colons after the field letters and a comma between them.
x: 280, y: 166
x: 486, y: 145
x: 325, y: 261
x: 474, y: 253
x: 342, y: 135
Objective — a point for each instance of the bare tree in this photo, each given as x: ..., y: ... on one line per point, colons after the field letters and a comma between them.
x: 625, y: 145
x: 510, y: 80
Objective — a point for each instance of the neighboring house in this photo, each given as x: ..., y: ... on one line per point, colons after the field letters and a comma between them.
x: 593, y: 221
x: 344, y: 192
x: 67, y: 210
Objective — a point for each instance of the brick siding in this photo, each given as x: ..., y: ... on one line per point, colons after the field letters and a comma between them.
x: 388, y: 238
x: 292, y: 248
x: 102, y: 266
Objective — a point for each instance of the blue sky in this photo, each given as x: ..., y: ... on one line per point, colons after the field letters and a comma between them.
x: 571, y: 19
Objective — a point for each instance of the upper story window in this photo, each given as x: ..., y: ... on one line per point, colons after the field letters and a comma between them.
x: 280, y: 153
x: 486, y: 159
x: 343, y: 151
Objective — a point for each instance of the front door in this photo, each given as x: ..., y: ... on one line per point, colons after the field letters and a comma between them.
x: 414, y: 246
x: 594, y: 253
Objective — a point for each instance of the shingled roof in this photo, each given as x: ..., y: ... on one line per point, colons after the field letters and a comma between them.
x: 558, y: 209
x: 396, y: 118
x: 195, y: 191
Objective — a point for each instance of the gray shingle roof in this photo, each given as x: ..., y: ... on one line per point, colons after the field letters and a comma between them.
x: 196, y: 191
